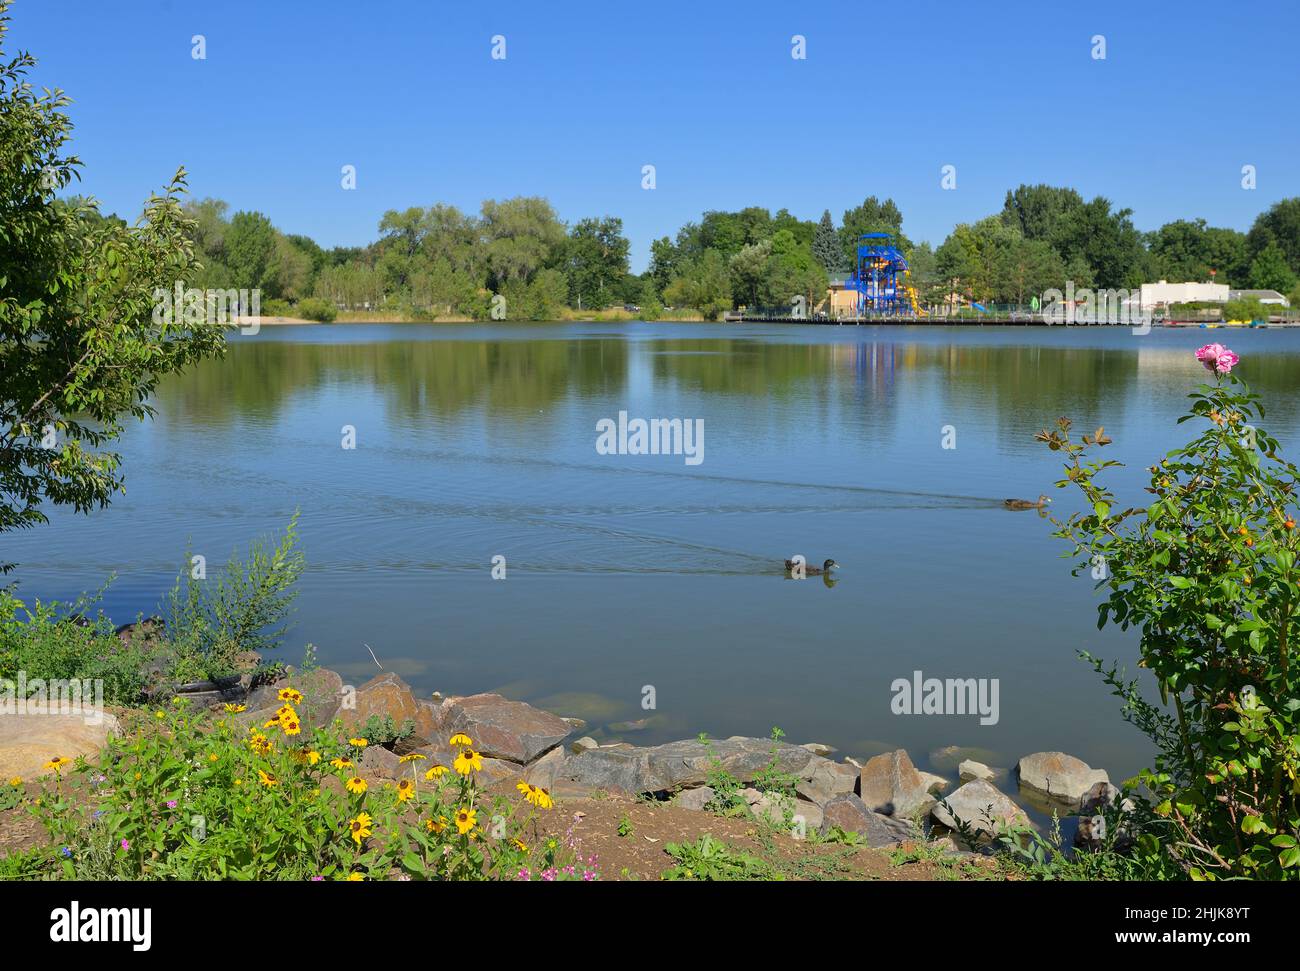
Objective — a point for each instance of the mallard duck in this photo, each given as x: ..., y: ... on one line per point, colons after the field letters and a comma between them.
x: 813, y: 571
x: 1026, y: 503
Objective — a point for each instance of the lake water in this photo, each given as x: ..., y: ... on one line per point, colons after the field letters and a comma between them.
x: 625, y: 571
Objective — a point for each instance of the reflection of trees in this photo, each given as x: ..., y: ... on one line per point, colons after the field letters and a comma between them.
x: 415, y: 377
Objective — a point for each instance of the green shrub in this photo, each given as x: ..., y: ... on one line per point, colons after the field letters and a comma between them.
x: 1247, y: 309
x: 314, y: 308
x: 246, y: 609
x: 1207, y: 575
x: 46, y: 641
x: 276, y: 308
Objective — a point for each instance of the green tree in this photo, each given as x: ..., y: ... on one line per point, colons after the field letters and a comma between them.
x: 873, y: 216
x: 1269, y: 270
x: 1037, y: 210
x: 522, y: 235
x: 80, y: 348
x: 826, y: 246
x: 251, y: 248
x: 595, y: 261
x: 704, y: 285
x: 1280, y: 224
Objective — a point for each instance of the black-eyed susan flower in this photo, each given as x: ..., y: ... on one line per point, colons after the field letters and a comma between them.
x: 460, y: 739
x: 356, y: 785
x: 536, y: 795
x: 355, y: 878
x: 341, y: 763
x: 358, y: 742
x: 57, y: 763
x: 268, y: 779
x: 260, y: 744
x: 405, y: 790
x: 313, y: 757
x: 291, y: 695
x: 359, y: 828
x: 235, y: 709
x: 468, y: 761
x: 436, y: 772
x: 436, y: 825
x: 519, y: 844
x: 291, y: 726
x: 466, y: 820
x: 16, y: 781
x: 412, y: 757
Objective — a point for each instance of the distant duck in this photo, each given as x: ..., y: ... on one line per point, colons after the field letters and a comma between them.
x: 813, y: 571
x: 1026, y: 503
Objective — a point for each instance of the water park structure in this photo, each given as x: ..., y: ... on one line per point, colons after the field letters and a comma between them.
x: 880, y: 279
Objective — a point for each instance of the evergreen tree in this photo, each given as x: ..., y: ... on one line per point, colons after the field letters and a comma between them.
x: 826, y: 245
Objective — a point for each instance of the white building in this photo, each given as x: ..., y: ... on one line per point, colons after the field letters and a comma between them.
x: 1155, y: 294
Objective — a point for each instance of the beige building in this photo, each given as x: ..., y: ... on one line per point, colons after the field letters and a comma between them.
x: 1165, y: 293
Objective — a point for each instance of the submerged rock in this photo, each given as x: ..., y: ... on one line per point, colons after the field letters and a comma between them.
x: 1061, y: 777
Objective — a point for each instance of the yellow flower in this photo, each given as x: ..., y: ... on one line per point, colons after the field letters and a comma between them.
x: 289, y: 694
x: 212, y: 757
x: 360, y: 827
x: 536, y: 795
x: 413, y: 757
x: 405, y: 790
x: 358, y: 742
x: 236, y: 709
x: 465, y: 820
x: 468, y: 761
x: 519, y: 844
x: 341, y: 763
x: 356, y: 784
x: 260, y: 744
x: 285, y: 711
x: 57, y: 763
x: 268, y: 779
x: 436, y: 772
x: 291, y: 725
x: 355, y: 878
x: 436, y: 826
x: 460, y: 738
x: 239, y: 782
x: 15, y: 781
x: 273, y: 723
x: 313, y: 757
x: 160, y: 714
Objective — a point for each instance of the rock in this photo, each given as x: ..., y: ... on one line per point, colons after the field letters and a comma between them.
x: 385, y: 696
x: 933, y: 783
x: 1060, y: 777
x: 947, y: 759
x: 676, y: 765
x: 30, y: 739
x: 1091, y: 831
x: 810, y: 815
x: 817, y: 748
x: 505, y: 729
x: 970, y: 770
x: 146, y: 630
x: 584, y: 743
x: 826, y: 781
x: 493, y: 771
x: 377, y: 763
x: 577, y: 724
x: 640, y: 725
x: 889, y: 784
x: 751, y: 796
x: 851, y: 814
x: 1101, y: 795
x: 981, y: 806
x: 697, y: 798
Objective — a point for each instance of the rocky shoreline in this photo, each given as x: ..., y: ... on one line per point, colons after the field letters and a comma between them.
x: 886, y: 800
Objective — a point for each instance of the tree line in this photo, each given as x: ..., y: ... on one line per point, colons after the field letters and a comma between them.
x: 439, y: 261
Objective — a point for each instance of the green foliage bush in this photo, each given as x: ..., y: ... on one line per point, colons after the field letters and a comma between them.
x: 314, y: 308
x: 276, y: 307
x: 1207, y: 574
x: 1248, y: 309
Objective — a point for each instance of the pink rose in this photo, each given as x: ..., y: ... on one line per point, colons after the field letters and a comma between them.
x: 1218, y: 358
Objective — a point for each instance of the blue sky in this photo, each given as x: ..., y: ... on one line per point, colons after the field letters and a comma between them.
x: 406, y: 90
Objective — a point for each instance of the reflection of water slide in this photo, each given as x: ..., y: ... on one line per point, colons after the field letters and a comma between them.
x: 980, y: 308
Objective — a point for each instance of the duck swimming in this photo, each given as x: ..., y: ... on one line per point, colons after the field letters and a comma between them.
x: 1026, y: 503
x: 813, y: 571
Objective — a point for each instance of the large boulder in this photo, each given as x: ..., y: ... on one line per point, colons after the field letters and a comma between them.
x: 30, y: 739
x: 384, y: 696
x: 826, y: 780
x: 664, y: 768
x: 981, y: 806
x: 851, y: 814
x: 1060, y: 777
x: 504, y: 729
x: 970, y: 769
x: 889, y: 784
